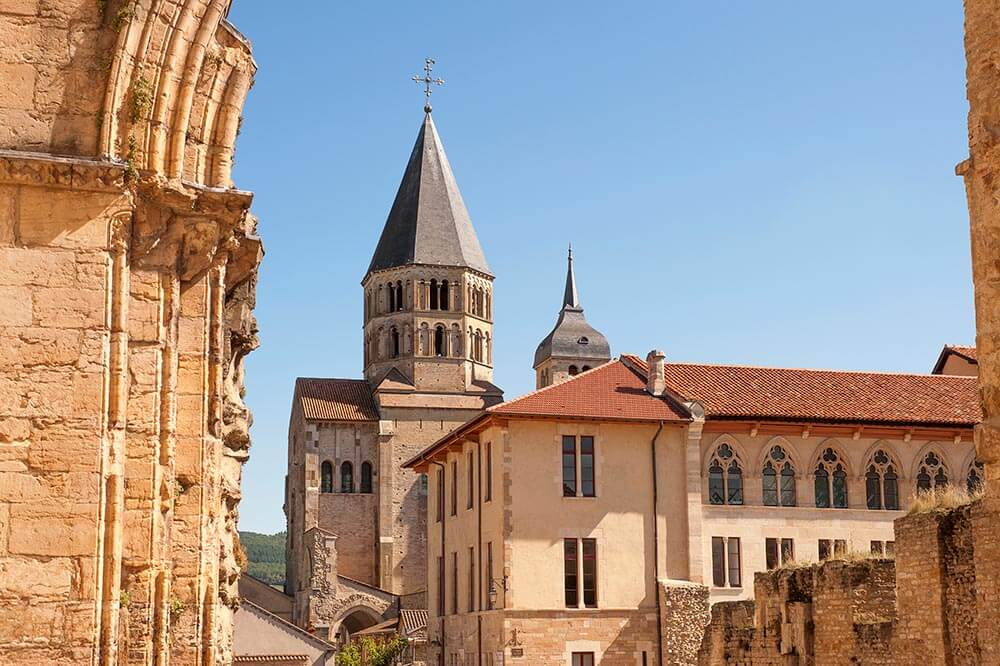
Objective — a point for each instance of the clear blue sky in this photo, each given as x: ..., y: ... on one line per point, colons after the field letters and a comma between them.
x: 743, y: 182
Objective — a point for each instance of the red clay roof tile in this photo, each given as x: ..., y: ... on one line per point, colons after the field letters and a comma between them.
x: 336, y: 399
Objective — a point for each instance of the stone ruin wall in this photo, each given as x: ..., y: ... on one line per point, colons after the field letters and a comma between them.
x: 127, y: 273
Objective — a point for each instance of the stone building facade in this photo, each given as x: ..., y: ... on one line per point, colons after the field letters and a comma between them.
x: 356, y: 517
x: 127, y: 270
x: 594, y: 520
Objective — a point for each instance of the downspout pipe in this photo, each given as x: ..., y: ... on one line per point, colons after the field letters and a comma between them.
x: 656, y: 545
x: 441, y: 583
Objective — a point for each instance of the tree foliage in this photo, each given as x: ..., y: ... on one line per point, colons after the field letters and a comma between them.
x: 265, y: 556
x: 379, y: 652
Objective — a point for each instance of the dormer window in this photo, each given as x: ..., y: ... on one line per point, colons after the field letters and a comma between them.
x: 583, y: 341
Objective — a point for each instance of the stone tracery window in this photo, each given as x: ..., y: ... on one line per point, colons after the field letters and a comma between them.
x: 932, y: 472
x: 882, y: 483
x: 975, y: 478
x: 725, y: 477
x: 778, y: 478
x: 830, y: 480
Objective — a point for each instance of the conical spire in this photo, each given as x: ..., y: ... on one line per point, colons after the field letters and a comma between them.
x: 428, y: 222
x: 571, y: 299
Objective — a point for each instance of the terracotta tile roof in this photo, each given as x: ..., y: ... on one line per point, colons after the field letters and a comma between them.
x: 961, y: 350
x: 967, y: 353
x: 608, y: 392
x: 730, y: 391
x: 336, y: 399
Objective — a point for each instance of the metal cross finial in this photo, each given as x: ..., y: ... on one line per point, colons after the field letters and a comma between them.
x: 428, y: 80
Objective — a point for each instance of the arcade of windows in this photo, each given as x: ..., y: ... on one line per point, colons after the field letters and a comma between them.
x: 433, y: 294
x: 830, y: 478
x: 326, y: 484
x: 440, y: 341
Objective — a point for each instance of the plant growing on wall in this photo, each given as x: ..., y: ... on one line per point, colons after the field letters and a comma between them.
x: 371, y: 652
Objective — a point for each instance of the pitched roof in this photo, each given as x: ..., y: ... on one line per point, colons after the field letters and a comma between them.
x: 428, y: 222
x: 336, y: 399
x: 787, y: 394
x: 965, y: 352
x: 608, y: 392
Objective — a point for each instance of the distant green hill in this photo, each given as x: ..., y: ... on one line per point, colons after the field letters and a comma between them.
x: 265, y: 556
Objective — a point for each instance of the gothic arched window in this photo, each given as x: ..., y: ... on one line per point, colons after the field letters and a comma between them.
x: 326, y: 477
x: 347, y: 477
x: 366, y: 477
x: 778, y: 478
x: 830, y: 481
x: 881, y: 483
x: 725, y: 477
x: 439, y: 341
x: 931, y: 472
x: 974, y: 479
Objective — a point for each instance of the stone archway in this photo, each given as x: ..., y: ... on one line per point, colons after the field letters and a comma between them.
x: 353, y: 620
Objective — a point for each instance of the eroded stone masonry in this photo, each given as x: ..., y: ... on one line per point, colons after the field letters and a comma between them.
x: 127, y: 271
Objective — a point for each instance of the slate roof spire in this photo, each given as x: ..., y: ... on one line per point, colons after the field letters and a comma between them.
x: 570, y: 298
x: 428, y: 222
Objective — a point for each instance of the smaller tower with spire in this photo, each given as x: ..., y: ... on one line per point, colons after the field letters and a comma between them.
x: 573, y: 346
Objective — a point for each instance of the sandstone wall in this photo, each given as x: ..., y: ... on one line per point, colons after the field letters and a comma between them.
x: 125, y: 313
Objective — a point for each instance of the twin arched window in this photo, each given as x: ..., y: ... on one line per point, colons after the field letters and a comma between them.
x: 931, y: 472
x: 882, y: 483
x: 831, y: 481
x: 725, y: 477
x: 778, y: 479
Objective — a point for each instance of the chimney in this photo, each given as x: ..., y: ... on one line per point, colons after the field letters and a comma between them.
x: 656, y: 382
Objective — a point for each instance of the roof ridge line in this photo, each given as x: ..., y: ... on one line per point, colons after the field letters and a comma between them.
x: 551, y: 386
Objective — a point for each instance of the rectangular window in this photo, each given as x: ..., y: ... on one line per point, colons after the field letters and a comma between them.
x: 718, y: 562
x: 440, y: 495
x: 890, y: 548
x: 570, y: 573
x: 771, y: 553
x: 839, y: 548
x: 489, y: 574
x: 440, y: 582
x: 470, y: 462
x: 733, y: 544
x: 787, y: 551
x: 583, y: 659
x: 472, y: 579
x: 587, y: 466
x: 489, y: 471
x: 569, y: 466
x: 589, y: 573
x: 825, y: 549
x: 878, y: 548
x: 454, y: 582
x: 454, y: 487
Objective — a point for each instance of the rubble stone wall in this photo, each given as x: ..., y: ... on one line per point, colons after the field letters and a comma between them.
x: 127, y: 274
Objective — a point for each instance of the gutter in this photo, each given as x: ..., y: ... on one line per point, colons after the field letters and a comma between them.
x: 656, y: 546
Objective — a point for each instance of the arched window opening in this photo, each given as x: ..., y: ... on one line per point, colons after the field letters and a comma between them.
x: 439, y: 340
x: 347, y: 477
x: 399, y: 296
x: 725, y: 488
x: 444, y: 295
x: 379, y: 300
x: 326, y: 477
x: 394, y: 342
x: 573, y: 371
x: 489, y: 349
x: 931, y: 471
x: 778, y: 479
x: 881, y: 483
x: 830, y: 479
x: 974, y: 479
x: 585, y: 368
x: 366, y: 477
x: 434, y: 294
x: 391, y: 289
x: 489, y: 306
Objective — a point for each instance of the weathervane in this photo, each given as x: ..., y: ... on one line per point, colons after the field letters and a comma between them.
x: 428, y: 80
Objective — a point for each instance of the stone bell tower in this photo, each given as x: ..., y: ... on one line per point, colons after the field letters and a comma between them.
x: 428, y: 293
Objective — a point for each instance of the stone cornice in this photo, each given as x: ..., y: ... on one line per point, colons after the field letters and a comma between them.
x: 44, y: 170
